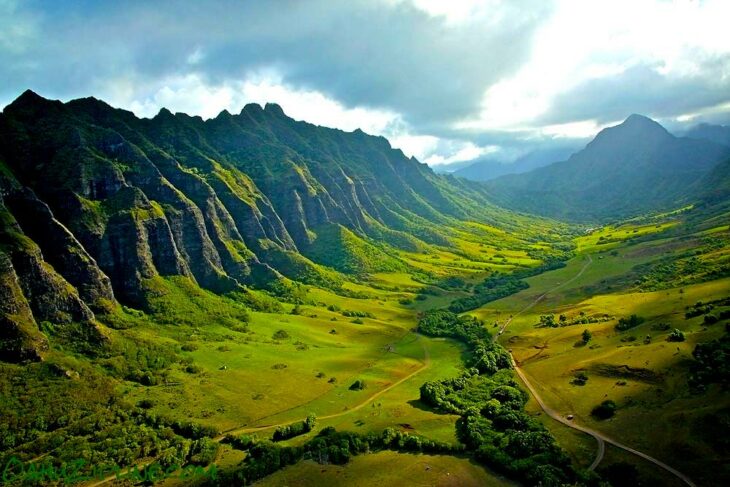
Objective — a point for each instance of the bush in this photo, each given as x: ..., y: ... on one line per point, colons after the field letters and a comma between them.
x: 630, y: 322
x: 358, y: 385
x: 676, y: 336
x: 580, y: 379
x: 193, y: 369
x: 586, y: 336
x: 280, y: 335
x: 605, y: 410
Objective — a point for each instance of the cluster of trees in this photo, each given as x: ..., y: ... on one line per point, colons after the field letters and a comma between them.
x: 295, y: 429
x: 676, y: 336
x: 473, y: 391
x: 586, y: 336
x: 631, y: 322
x: 681, y: 269
x: 484, y: 355
x: 498, y: 286
x: 711, y: 364
x: 492, y: 289
x: 582, y: 319
x: 495, y: 427
x: 358, y: 385
x: 700, y: 308
x: 580, y: 379
x: 493, y: 424
x: 139, y: 361
x: 357, y: 314
x: 328, y: 447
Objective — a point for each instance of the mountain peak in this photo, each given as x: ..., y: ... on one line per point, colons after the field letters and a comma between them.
x: 27, y: 98
x: 164, y: 112
x: 637, y: 121
x: 635, y: 127
x: 274, y: 109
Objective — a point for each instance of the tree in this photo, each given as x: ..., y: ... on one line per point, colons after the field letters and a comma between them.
x: 676, y: 336
x: 587, y: 335
x: 604, y: 410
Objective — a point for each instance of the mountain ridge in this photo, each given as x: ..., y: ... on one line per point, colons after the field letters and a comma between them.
x: 252, y: 199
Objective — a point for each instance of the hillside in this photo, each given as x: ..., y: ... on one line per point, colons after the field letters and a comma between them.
x: 97, y: 205
x: 626, y: 170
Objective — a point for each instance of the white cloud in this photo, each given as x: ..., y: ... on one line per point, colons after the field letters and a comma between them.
x: 196, y: 56
x: 588, y: 40
x: 575, y: 130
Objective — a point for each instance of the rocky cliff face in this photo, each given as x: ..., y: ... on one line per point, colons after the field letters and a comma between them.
x: 96, y: 201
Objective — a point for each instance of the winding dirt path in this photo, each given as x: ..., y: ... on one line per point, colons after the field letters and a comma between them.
x: 600, y: 438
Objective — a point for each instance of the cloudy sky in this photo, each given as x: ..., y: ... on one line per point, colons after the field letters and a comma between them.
x: 445, y: 81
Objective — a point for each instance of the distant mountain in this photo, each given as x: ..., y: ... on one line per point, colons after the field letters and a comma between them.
x: 490, y: 168
x: 629, y: 169
x: 716, y: 133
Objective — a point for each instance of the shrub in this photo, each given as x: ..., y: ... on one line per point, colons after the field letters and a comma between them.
x: 630, y: 322
x: 676, y: 336
x: 605, y: 410
x: 580, y: 379
x: 280, y: 335
x: 358, y: 385
x: 193, y: 369
x: 586, y: 336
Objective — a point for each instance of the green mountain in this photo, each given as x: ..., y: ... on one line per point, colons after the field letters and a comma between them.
x: 630, y: 169
x: 98, y: 205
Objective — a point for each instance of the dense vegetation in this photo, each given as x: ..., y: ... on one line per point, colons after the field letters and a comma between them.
x: 484, y: 355
x: 500, y: 285
x: 295, y: 429
x: 493, y: 424
x: 711, y: 363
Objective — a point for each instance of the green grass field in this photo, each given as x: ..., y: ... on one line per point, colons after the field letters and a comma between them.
x: 388, y: 469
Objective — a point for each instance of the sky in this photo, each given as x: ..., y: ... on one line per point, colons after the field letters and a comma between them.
x: 445, y: 81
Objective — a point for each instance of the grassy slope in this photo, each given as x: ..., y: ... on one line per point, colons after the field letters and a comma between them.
x: 551, y: 357
x: 388, y: 469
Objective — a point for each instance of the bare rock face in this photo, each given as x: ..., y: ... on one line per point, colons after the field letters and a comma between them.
x: 22, y: 340
x: 33, y: 293
x: 61, y: 249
